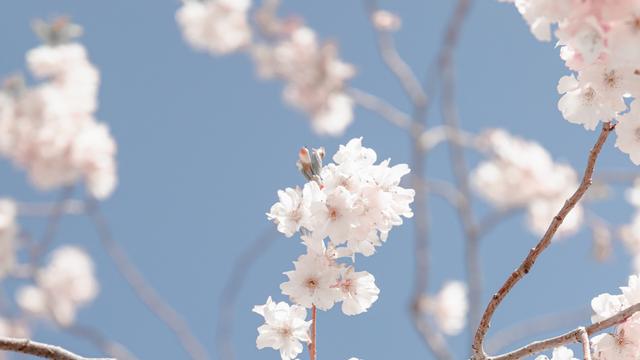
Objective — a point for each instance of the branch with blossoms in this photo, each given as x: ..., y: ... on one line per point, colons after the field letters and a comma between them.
x: 50, y: 131
x: 518, y: 175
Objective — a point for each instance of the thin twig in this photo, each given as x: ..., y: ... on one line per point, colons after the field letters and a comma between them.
x: 95, y: 337
x: 528, y: 329
x: 395, y: 63
x: 313, y: 346
x: 529, y: 261
x: 147, y: 294
x: 586, y: 345
x: 380, y: 107
x: 572, y: 336
x: 46, y: 351
x: 53, y: 221
x: 229, y: 296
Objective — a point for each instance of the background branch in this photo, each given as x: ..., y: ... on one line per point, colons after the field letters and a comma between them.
x: 26, y: 346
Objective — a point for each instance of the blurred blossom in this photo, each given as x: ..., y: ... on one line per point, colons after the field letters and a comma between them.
x: 559, y: 353
x: 449, y: 307
x: 522, y: 174
x: 384, y: 20
x: 66, y: 283
x: 50, y: 129
x: 217, y: 26
x: 8, y: 234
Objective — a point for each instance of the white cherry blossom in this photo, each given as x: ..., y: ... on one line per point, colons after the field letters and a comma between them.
x: 285, y: 328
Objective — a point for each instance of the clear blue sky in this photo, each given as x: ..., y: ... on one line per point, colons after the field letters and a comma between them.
x: 203, y: 147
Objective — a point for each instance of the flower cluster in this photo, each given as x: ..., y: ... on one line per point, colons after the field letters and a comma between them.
x: 50, y: 129
x: 217, y: 26
x: 65, y: 284
x: 346, y: 208
x: 522, y: 174
x: 448, y: 308
x: 598, y: 41
x: 624, y: 342
x: 313, y: 74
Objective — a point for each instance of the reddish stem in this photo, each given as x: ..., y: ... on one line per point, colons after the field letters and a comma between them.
x: 312, y: 344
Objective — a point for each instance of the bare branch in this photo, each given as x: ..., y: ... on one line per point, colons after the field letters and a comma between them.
x: 224, y: 329
x: 538, y: 325
x: 380, y: 107
x: 147, y: 294
x: 39, y: 249
x: 572, y: 336
x: 529, y: 261
x: 95, y: 337
x: 46, y: 351
x: 395, y: 63
x: 586, y: 345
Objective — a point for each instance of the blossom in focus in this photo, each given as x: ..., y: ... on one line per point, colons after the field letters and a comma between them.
x: 628, y: 133
x: 559, y: 353
x: 217, y: 26
x: 598, y: 42
x: 449, y: 307
x: 50, y: 129
x: 285, y: 328
x: 66, y: 283
x: 313, y: 282
x: 358, y: 291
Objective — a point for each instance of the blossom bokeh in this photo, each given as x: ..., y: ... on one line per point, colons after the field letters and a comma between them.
x: 204, y: 144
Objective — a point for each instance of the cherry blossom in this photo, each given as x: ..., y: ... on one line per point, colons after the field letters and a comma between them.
x: 358, y: 291
x: 64, y: 284
x: 386, y: 21
x: 285, y: 328
x: 217, y: 26
x: 50, y: 129
x: 522, y: 174
x: 448, y: 307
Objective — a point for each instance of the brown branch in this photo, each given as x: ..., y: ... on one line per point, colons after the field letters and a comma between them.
x: 529, y: 261
x: 586, y: 345
x: 572, y: 336
x: 46, y: 351
x: 147, y: 294
x: 538, y: 325
x: 241, y: 266
x: 313, y: 346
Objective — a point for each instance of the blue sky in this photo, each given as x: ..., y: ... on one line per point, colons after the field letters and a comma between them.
x: 204, y: 145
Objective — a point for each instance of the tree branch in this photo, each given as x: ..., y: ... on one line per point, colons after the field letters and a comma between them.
x: 529, y: 261
x: 572, y: 336
x: 46, y: 351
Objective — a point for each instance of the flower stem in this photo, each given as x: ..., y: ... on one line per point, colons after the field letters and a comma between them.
x: 312, y: 344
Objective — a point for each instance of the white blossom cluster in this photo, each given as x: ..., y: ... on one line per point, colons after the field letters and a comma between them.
x: 313, y: 74
x: 522, y: 174
x: 598, y: 41
x: 50, y: 129
x: 624, y: 342
x: 66, y: 283
x: 348, y: 207
x: 217, y: 26
x: 8, y: 236
x: 448, y: 307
